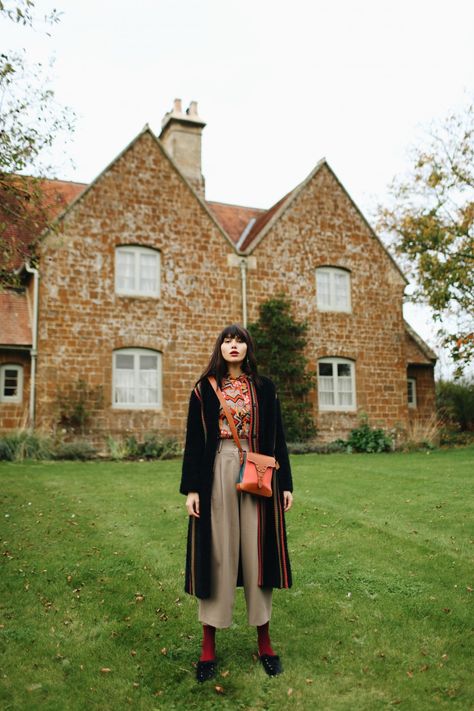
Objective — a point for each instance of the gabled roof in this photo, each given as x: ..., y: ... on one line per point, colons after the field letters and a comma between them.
x: 15, y: 326
x: 422, y: 345
x: 147, y: 129
x: 235, y: 219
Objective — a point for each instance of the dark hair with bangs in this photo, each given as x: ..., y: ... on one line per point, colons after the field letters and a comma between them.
x: 218, y: 367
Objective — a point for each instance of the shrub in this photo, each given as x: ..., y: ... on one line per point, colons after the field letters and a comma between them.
x: 317, y: 448
x: 17, y: 446
x: 74, y: 450
x: 368, y: 439
x: 280, y: 343
x: 455, y: 403
x: 152, y: 447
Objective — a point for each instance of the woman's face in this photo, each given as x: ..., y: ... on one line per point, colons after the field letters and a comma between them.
x: 233, y: 349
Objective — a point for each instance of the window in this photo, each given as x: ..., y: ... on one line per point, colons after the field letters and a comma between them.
x: 333, y: 289
x: 11, y: 383
x: 137, y: 271
x: 336, y: 384
x: 411, y: 383
x: 137, y: 378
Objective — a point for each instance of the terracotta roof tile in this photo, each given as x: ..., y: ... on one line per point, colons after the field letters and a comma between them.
x: 56, y: 196
x: 234, y: 218
x: 15, y: 326
x: 263, y: 220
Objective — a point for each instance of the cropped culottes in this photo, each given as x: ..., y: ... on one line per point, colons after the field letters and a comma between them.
x: 234, y: 528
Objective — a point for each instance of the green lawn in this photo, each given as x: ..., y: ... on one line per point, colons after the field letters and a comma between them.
x: 380, y: 614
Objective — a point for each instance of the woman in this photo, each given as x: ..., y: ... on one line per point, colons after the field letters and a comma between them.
x: 234, y: 538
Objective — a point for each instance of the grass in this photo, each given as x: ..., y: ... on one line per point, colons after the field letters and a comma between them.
x: 380, y: 614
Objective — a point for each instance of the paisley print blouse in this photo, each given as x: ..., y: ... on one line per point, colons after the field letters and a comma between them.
x: 237, y: 395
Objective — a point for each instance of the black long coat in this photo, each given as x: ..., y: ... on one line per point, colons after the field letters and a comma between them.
x: 267, y: 437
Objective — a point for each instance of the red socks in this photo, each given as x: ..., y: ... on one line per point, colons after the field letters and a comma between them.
x: 208, y: 653
x: 264, y: 644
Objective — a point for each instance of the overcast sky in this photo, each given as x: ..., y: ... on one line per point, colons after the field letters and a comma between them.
x: 280, y: 84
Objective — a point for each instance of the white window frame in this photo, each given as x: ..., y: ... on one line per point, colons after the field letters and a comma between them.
x: 336, y: 407
x: 19, y: 395
x: 333, y: 305
x: 412, y: 402
x: 137, y: 251
x: 137, y: 405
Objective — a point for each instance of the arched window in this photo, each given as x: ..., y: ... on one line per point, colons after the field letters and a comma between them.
x: 333, y: 289
x: 11, y: 383
x: 336, y: 384
x: 137, y: 271
x: 136, y: 379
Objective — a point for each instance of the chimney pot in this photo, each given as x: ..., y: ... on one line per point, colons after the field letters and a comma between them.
x: 178, y: 108
x: 192, y: 109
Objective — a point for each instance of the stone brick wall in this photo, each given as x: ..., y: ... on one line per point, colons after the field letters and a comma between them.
x: 142, y: 200
x: 322, y: 227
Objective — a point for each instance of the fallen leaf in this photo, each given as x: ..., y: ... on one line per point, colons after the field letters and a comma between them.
x: 105, y: 670
x: 425, y: 667
x: 225, y: 673
x: 410, y: 674
x: 164, y: 651
x: 158, y: 693
x: 309, y: 681
x: 135, y: 684
x: 219, y: 689
x: 139, y: 597
x: 133, y: 653
x: 289, y: 692
x: 444, y: 656
x: 446, y: 610
x: 469, y: 589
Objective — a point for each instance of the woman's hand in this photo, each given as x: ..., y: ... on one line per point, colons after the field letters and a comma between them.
x: 192, y: 504
x: 287, y: 500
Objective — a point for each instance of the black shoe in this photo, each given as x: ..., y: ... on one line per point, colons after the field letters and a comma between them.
x: 271, y: 663
x: 205, y: 670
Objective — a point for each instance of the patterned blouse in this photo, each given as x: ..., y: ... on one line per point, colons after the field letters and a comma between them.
x: 237, y: 395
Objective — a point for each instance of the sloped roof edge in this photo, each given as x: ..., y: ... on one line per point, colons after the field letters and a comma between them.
x: 373, y: 232
x: 91, y: 185
x: 282, y: 209
x: 422, y: 345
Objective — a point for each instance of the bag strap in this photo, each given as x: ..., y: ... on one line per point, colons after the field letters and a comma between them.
x: 228, y: 415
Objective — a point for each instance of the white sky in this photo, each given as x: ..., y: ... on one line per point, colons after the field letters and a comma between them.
x: 280, y: 84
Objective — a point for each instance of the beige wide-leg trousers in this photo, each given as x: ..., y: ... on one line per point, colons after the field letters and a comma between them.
x: 234, y: 527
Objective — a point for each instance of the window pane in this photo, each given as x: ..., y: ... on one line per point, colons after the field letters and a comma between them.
x: 341, y: 290
x: 148, y: 273
x: 124, y: 361
x: 148, y: 362
x: 125, y: 271
x: 326, y: 389
x: 343, y: 369
x: 344, y: 388
x: 125, y: 386
x: 323, y: 289
x: 10, y: 388
x: 325, y: 369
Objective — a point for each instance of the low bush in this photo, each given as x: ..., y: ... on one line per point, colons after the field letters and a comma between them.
x: 422, y: 434
x: 79, y: 450
x: 21, y: 445
x: 455, y: 403
x: 365, y: 438
x: 152, y: 447
x: 316, y: 448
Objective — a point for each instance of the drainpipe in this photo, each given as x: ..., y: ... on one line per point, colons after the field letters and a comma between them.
x: 243, y: 274
x: 34, y: 344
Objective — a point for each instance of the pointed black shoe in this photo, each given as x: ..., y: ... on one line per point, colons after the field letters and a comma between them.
x: 271, y: 663
x: 205, y: 671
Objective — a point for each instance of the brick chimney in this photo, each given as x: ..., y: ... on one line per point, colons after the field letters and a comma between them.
x: 181, y: 136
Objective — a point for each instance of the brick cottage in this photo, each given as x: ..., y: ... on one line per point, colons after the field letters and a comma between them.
x: 132, y: 289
